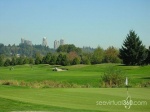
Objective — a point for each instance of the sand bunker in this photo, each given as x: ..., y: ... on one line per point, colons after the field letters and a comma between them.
x: 59, y: 69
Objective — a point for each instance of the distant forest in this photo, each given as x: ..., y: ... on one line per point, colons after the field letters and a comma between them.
x: 26, y: 50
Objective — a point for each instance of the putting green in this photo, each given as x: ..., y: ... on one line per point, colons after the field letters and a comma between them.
x: 79, y: 98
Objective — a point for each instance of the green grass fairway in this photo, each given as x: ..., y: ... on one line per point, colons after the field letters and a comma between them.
x: 15, y: 97
x: 71, y: 99
x: 78, y: 74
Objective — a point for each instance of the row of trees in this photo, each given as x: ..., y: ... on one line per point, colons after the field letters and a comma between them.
x: 24, y: 50
x: 133, y: 52
x: 110, y: 55
x: 15, y: 61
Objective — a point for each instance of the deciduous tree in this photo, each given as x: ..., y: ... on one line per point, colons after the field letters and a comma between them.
x: 7, y: 62
x: 112, y: 55
x: 1, y: 60
x: 98, y: 56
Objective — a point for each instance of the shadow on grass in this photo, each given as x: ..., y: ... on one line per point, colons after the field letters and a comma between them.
x: 121, y: 65
x: 145, y: 78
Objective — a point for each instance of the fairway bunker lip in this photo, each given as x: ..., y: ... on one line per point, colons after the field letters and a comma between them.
x: 59, y: 69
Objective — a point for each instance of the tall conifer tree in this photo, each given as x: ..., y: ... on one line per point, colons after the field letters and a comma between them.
x: 133, y: 52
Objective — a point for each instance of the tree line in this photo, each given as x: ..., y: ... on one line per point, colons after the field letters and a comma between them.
x: 132, y: 52
x: 72, y: 55
x: 24, y: 49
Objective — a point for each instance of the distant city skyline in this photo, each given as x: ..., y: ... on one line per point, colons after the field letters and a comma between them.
x: 57, y: 43
x: 44, y: 42
x: 80, y: 22
x: 24, y: 41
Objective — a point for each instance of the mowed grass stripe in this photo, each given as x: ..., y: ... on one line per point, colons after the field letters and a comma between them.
x: 24, y: 106
x: 78, y: 98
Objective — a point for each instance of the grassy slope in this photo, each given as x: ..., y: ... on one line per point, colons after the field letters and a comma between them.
x: 69, y: 99
x: 79, y: 74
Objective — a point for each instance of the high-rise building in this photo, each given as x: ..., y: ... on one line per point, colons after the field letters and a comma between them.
x: 44, y: 42
x: 23, y: 41
x: 56, y: 44
x: 61, y: 42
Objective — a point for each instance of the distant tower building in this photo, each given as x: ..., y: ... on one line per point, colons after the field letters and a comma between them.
x: 23, y: 41
x: 44, y: 42
x: 56, y: 44
x: 61, y: 42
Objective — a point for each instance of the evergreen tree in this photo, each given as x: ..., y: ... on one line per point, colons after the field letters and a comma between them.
x: 148, y: 57
x: 133, y: 52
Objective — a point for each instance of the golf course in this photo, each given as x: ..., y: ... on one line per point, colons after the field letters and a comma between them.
x: 74, y: 55
x: 77, y: 89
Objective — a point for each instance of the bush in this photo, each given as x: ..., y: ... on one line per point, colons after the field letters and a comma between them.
x: 42, y: 84
x: 9, y: 82
x: 113, y: 77
x: 76, y: 61
x: 145, y: 84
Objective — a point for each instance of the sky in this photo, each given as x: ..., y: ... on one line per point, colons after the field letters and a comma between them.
x: 91, y: 23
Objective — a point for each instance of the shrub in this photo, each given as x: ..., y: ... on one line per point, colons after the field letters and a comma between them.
x: 145, y: 84
x: 113, y: 77
x: 41, y: 84
x: 9, y: 82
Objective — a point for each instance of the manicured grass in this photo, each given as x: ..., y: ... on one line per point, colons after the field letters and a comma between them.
x: 78, y: 74
x: 18, y: 98
x: 71, y: 99
x: 24, y: 106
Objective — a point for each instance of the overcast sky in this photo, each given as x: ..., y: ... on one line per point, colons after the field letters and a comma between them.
x: 80, y: 22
